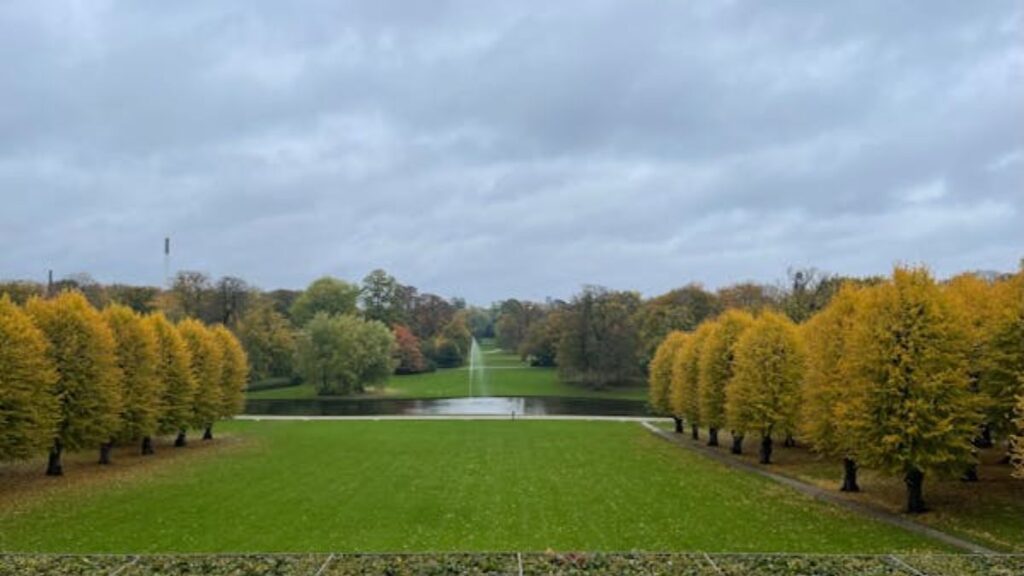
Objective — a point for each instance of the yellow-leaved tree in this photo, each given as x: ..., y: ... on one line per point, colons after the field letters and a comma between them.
x: 717, y: 359
x: 174, y: 370
x: 912, y: 411
x: 28, y: 405
x: 1003, y: 381
x: 978, y: 303
x: 826, y: 394
x: 234, y: 373
x: 763, y: 394
x: 138, y: 356
x: 89, y: 381
x: 207, y: 365
x: 684, y: 392
x: 660, y: 378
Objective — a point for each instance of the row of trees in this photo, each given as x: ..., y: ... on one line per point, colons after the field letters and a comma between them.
x: 603, y: 337
x: 904, y: 375
x: 72, y: 377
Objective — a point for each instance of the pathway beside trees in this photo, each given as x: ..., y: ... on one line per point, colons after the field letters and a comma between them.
x: 820, y: 493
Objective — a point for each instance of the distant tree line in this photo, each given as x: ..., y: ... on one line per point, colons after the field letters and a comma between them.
x: 905, y: 375
x: 74, y: 377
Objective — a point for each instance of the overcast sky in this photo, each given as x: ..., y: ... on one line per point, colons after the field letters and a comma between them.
x: 495, y: 149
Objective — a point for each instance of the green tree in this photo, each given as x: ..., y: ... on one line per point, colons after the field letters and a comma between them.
x: 826, y: 394
x: 540, y: 348
x: 174, y: 370
x: 28, y: 405
x: 269, y: 341
x: 660, y: 376
x: 88, y: 380
x: 764, y: 392
x: 328, y: 295
x: 906, y: 359
x: 344, y: 354
x: 1018, y: 440
x: 681, y: 309
x: 137, y: 356
x: 207, y: 364
x: 599, y: 346
x: 716, y: 369
x: 234, y: 373
x: 191, y: 295
x: 380, y: 298
x: 684, y: 392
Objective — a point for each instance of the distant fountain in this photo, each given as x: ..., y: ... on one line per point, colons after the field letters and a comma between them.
x: 477, y: 371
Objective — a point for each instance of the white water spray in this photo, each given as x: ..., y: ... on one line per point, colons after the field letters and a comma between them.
x: 477, y: 371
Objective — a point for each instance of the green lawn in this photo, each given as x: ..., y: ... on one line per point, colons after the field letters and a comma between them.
x: 504, y: 374
x: 438, y: 486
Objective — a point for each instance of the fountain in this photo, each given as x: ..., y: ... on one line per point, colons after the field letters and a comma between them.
x: 477, y: 371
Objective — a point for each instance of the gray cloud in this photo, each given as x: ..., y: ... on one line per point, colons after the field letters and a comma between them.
x: 513, y: 149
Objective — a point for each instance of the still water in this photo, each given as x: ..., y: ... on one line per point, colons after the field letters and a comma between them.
x: 474, y: 406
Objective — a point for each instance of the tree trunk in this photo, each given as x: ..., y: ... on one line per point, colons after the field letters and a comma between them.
x: 105, y: 449
x: 208, y: 433
x: 712, y: 436
x: 971, y: 474
x: 54, y: 467
x: 695, y: 431
x: 147, y: 446
x: 766, y: 449
x: 849, y: 476
x: 984, y: 439
x: 789, y: 442
x: 915, y: 494
x: 679, y: 424
x: 180, y: 440
x: 737, y: 444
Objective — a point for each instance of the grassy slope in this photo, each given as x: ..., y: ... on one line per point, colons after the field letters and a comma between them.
x: 442, y: 485
x: 507, y: 376
x: 989, y: 512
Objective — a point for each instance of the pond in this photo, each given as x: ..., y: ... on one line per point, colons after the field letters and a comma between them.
x: 468, y: 406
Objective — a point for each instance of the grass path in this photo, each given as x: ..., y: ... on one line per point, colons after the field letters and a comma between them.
x: 446, y: 486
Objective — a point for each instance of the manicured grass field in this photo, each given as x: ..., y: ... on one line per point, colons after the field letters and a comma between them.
x: 437, y: 486
x: 505, y: 375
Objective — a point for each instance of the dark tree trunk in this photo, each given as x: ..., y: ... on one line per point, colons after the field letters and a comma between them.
x: 679, y: 424
x: 971, y: 474
x: 147, y: 446
x: 766, y: 449
x: 180, y: 440
x: 789, y: 442
x: 712, y: 436
x: 915, y: 493
x: 54, y: 467
x: 208, y: 433
x: 105, y: 449
x: 737, y: 444
x: 695, y: 431
x: 849, y: 476
x: 984, y: 439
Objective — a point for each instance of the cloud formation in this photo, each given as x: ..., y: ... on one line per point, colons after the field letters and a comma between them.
x: 510, y: 149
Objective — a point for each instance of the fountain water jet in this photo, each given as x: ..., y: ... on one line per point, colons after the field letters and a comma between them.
x: 477, y: 371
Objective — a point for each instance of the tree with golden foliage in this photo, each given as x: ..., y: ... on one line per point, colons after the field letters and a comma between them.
x: 660, y: 377
x: 912, y: 412
x: 174, y: 370
x: 28, y: 405
x: 684, y: 392
x: 764, y: 392
x: 207, y: 366
x: 89, y: 382
x: 717, y: 360
x: 825, y: 393
x: 1003, y: 381
x: 137, y: 357
x: 234, y: 374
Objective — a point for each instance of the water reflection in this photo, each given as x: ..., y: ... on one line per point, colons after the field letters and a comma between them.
x: 475, y: 406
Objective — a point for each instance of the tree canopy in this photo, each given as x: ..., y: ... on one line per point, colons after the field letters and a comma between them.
x: 28, y: 403
x: 327, y: 295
